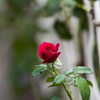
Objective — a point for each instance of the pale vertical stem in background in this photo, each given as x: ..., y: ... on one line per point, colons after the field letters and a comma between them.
x: 97, y: 21
x: 5, y: 60
x: 88, y: 43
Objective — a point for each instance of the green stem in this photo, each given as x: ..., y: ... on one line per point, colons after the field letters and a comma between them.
x: 68, y: 92
x: 63, y: 85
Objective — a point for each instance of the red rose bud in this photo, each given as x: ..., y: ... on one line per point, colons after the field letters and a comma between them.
x: 48, y: 52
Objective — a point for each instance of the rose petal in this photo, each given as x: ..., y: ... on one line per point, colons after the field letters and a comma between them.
x: 57, y: 46
x: 46, y: 54
x: 52, y: 58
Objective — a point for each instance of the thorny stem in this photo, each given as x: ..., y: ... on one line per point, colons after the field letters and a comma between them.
x: 63, y: 85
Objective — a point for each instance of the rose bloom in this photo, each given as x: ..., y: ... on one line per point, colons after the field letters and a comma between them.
x: 48, y: 52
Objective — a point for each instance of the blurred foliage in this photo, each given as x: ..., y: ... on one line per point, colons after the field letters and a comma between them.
x: 24, y: 49
x: 81, y: 14
x: 55, y: 98
x: 62, y: 30
x: 69, y: 3
x: 25, y: 56
x: 93, y: 0
x: 22, y: 16
x: 96, y: 61
x: 52, y: 7
x: 18, y: 6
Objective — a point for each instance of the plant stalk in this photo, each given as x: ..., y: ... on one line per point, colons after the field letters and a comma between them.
x: 63, y: 85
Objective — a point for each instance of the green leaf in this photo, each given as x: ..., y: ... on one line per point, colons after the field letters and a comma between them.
x: 40, y: 68
x: 59, y: 78
x: 55, y: 98
x: 50, y: 79
x: 63, y: 30
x: 69, y: 72
x: 83, y: 87
x: 89, y: 83
x: 82, y: 70
x: 72, y: 76
x: 41, y: 65
x: 73, y: 84
x: 54, y: 85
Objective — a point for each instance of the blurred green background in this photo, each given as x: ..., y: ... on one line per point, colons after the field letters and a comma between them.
x: 21, y: 32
